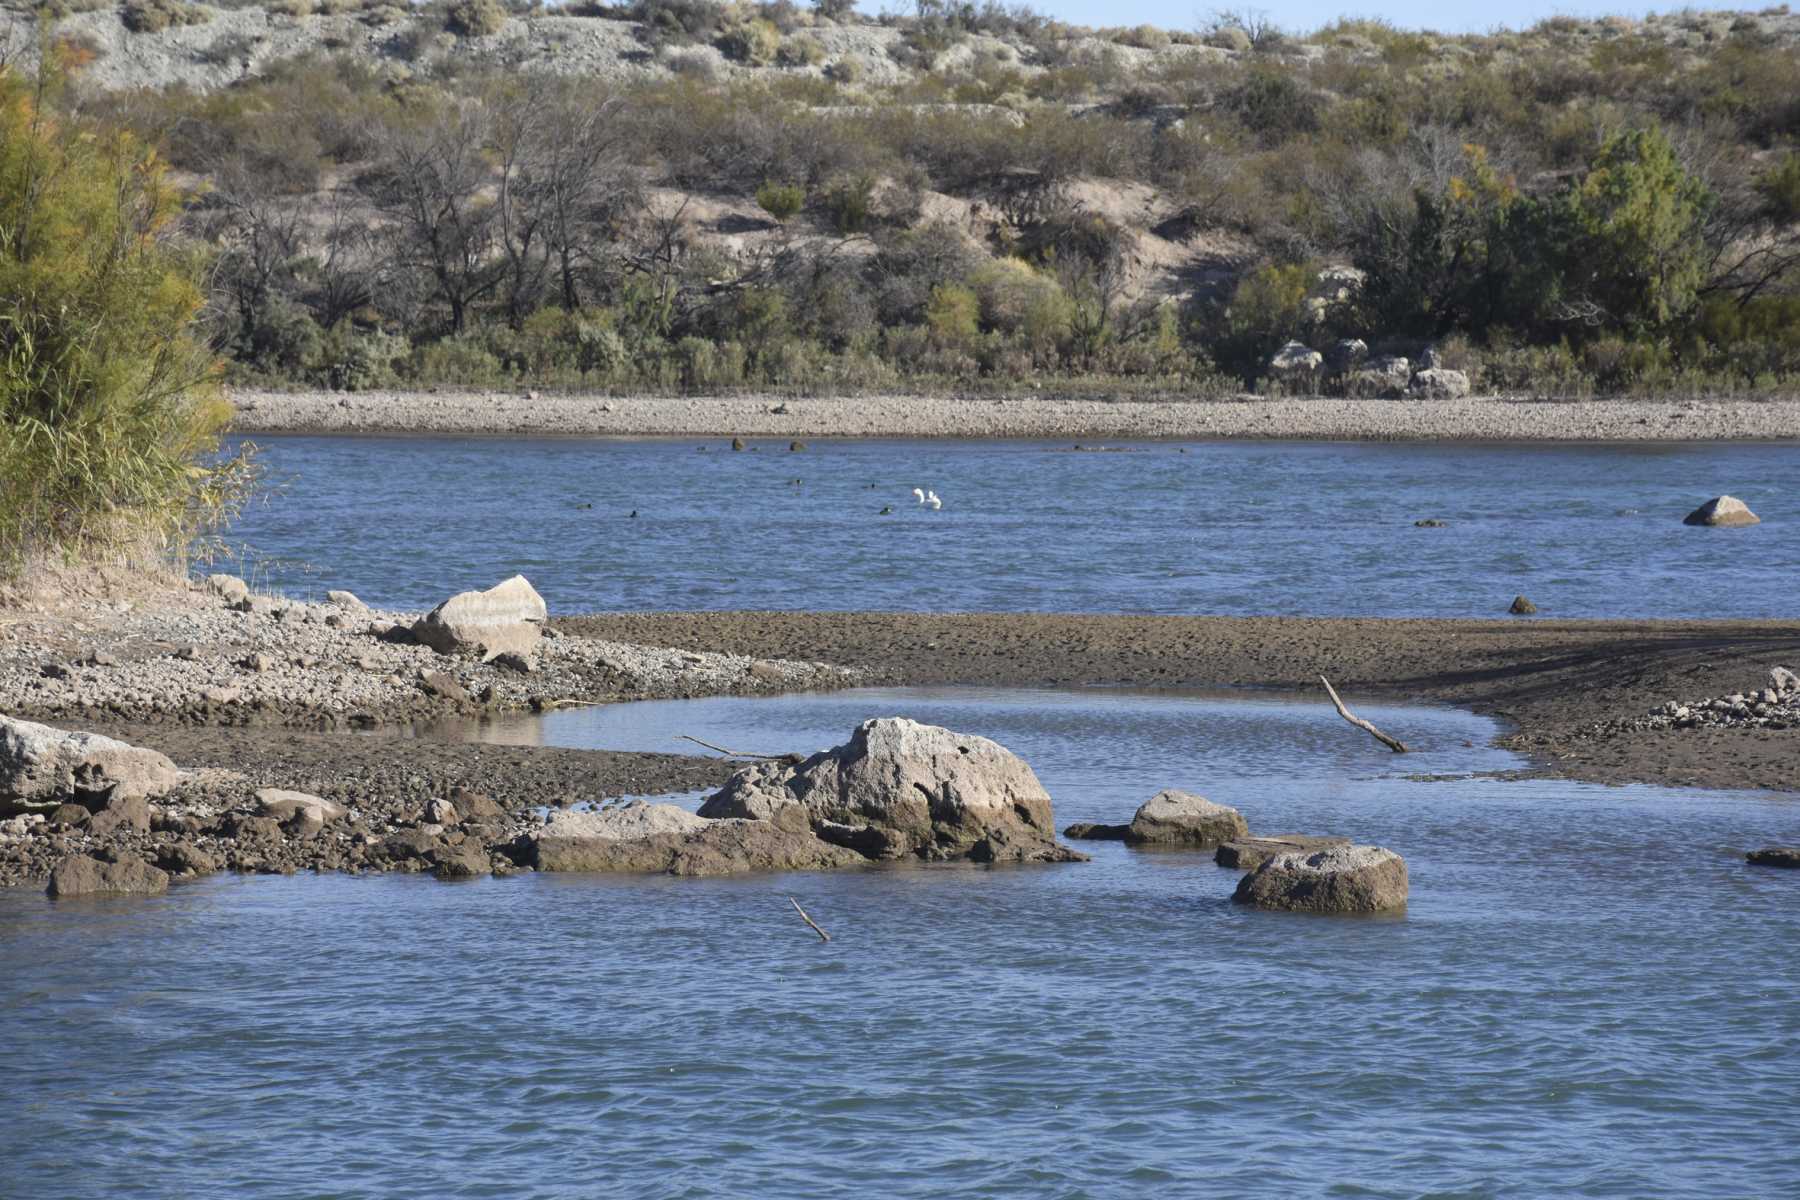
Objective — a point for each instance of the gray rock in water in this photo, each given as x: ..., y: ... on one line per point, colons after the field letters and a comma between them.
x: 1775, y: 856
x: 1725, y: 511
x: 228, y: 588
x: 1182, y: 819
x: 281, y: 804
x: 1340, y: 879
x: 1249, y: 853
x: 42, y: 766
x: 462, y: 862
x: 1521, y: 607
x: 1438, y: 383
x: 639, y: 819
x: 899, y: 789
x: 508, y: 618
x: 1431, y: 523
x: 1088, y: 831
x: 79, y: 875
x: 723, y: 847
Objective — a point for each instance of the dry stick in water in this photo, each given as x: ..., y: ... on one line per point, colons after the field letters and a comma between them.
x: 823, y: 936
x: 722, y: 750
x: 1394, y: 744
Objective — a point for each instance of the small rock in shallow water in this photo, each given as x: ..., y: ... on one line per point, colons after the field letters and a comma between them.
x: 80, y: 875
x: 1725, y: 511
x: 1341, y: 879
x: 1775, y: 856
x: 1247, y: 854
x: 1180, y: 818
x: 1521, y: 607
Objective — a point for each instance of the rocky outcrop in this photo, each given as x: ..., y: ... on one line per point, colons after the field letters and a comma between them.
x: 899, y: 789
x: 1725, y: 511
x: 1775, y: 856
x: 508, y: 618
x: 635, y: 820
x: 1340, y: 879
x: 1438, y: 383
x: 42, y: 766
x: 1249, y: 853
x: 79, y: 875
x: 1173, y: 818
x: 1295, y: 361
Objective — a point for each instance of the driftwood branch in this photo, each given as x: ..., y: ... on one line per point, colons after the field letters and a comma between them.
x: 722, y: 750
x: 823, y: 936
x: 1394, y: 744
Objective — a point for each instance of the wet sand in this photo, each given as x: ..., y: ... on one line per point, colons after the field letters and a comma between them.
x: 1559, y: 685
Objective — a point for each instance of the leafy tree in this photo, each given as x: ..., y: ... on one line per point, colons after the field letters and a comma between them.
x: 1636, y: 257
x: 108, y: 401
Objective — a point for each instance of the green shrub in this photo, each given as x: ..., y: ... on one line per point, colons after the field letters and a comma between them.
x: 780, y: 200
x: 753, y: 43
x: 801, y: 52
x: 475, y: 18
x: 850, y: 204
x: 954, y: 314
x: 109, y: 402
x: 354, y: 361
x: 1780, y: 189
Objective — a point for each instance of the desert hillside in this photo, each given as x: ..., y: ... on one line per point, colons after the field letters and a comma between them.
x: 682, y: 195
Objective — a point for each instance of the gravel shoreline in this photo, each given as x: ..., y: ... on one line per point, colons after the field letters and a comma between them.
x: 1471, y: 419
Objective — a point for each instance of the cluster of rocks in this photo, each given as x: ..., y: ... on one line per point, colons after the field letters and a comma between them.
x: 1293, y: 872
x: 1349, y: 366
x: 1776, y: 706
x: 218, y: 653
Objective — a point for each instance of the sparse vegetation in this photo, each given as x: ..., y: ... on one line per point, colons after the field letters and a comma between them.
x: 1582, y: 205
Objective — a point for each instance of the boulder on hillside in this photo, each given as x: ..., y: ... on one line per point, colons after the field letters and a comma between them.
x: 1174, y: 818
x: 42, y: 767
x: 79, y: 875
x: 1438, y: 383
x: 508, y: 618
x: 1339, y: 879
x: 1385, y: 376
x: 228, y: 588
x: 1725, y: 511
x: 1249, y: 853
x: 899, y: 789
x: 1296, y: 359
x: 1775, y: 856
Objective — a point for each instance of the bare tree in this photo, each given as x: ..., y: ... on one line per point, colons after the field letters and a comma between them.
x: 433, y: 180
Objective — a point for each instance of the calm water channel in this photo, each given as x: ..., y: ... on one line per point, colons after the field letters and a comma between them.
x: 1590, y: 995
x: 1312, y: 529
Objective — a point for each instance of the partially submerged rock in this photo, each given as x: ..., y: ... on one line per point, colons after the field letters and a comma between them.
x: 1340, y: 879
x: 508, y: 618
x: 1521, y: 607
x: 1088, y: 831
x: 1175, y: 818
x: 42, y: 766
x: 1249, y: 853
x: 1723, y: 511
x: 79, y: 875
x: 899, y: 789
x: 713, y: 848
x: 1775, y: 856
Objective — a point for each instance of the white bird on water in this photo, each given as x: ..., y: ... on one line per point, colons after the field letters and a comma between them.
x: 932, y: 502
x: 919, y: 495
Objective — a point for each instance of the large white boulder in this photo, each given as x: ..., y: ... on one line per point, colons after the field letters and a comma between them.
x: 899, y: 789
x: 42, y: 766
x: 508, y: 618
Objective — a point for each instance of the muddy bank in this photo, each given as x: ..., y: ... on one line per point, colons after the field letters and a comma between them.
x: 1470, y: 419
x: 1568, y: 689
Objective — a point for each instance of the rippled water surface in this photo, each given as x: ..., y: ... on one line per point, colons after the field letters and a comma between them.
x: 1590, y: 995
x: 1311, y: 529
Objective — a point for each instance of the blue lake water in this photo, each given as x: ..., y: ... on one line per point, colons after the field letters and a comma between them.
x: 1313, y: 529
x: 1589, y: 995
